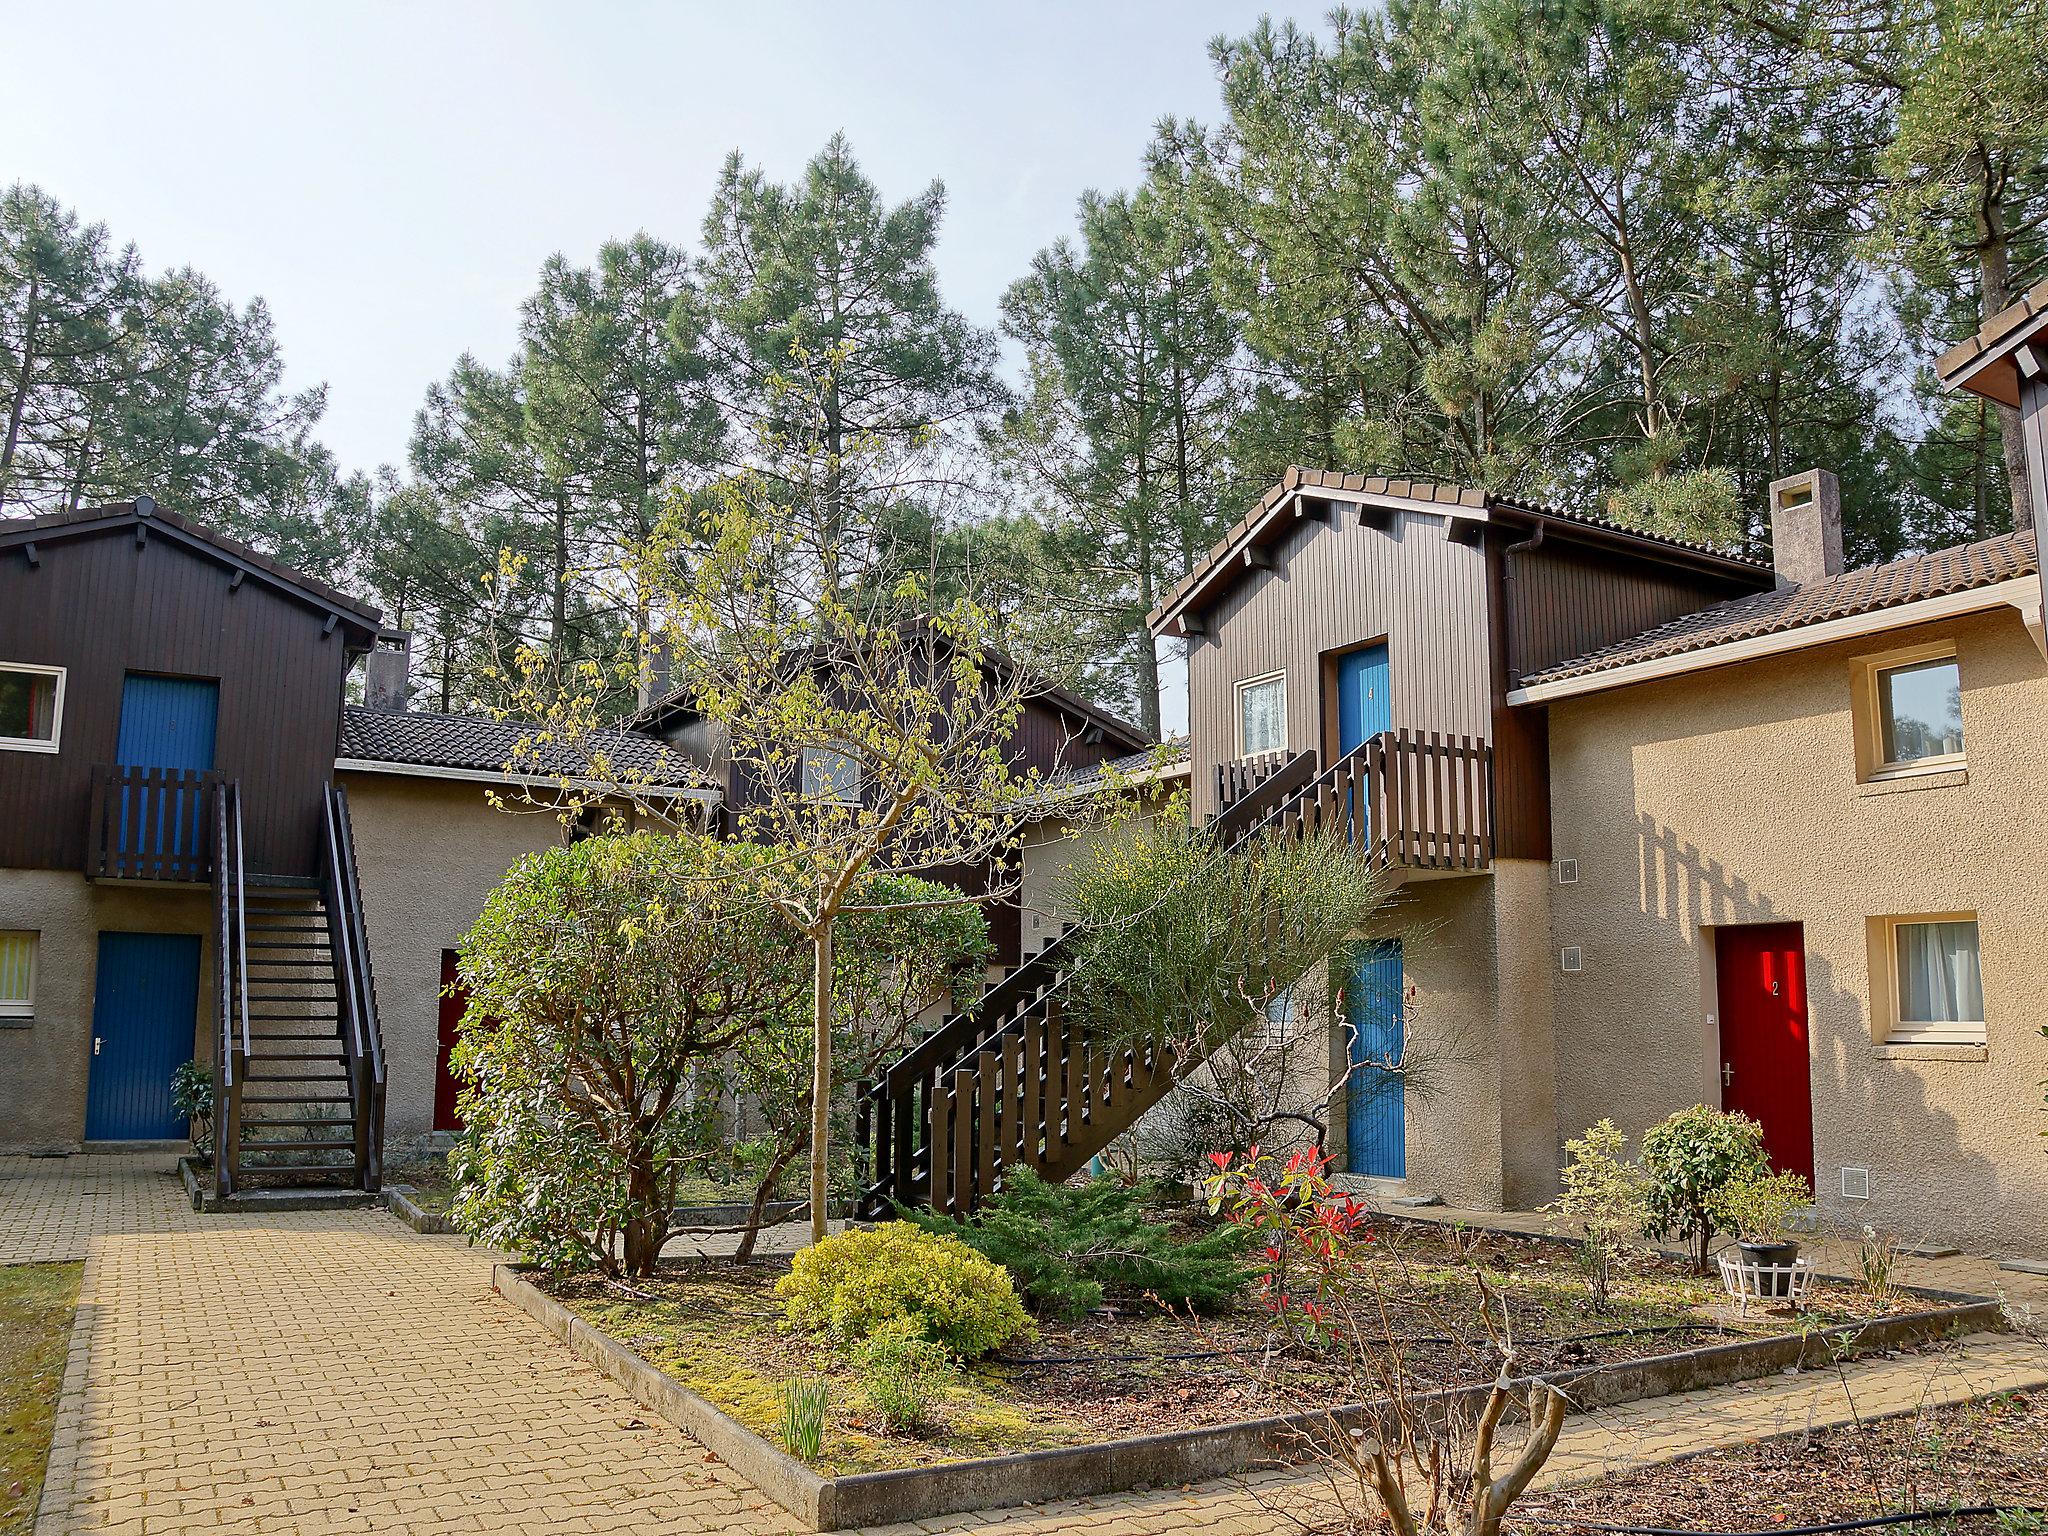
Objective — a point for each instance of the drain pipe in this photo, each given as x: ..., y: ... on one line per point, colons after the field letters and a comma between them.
x: 1507, y: 568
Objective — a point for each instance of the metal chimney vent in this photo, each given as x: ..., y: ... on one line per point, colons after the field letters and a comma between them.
x: 1855, y: 1183
x: 1570, y: 958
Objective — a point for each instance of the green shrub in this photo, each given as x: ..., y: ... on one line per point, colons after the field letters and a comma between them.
x: 1691, y: 1158
x: 1066, y: 1245
x: 861, y: 1280
x: 1601, y: 1202
x: 1756, y: 1210
x: 902, y: 1374
x: 192, y: 1097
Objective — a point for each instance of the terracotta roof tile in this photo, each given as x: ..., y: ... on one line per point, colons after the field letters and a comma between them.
x: 1936, y: 574
x: 480, y: 744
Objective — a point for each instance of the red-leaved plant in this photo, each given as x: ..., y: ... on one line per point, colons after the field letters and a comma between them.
x: 1312, y: 1234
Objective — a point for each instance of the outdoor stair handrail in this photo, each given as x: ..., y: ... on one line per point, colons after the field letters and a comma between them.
x: 355, y: 987
x: 231, y: 982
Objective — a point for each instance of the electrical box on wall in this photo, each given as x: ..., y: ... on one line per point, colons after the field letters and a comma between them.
x: 1855, y: 1183
x: 1567, y: 871
x: 1568, y: 958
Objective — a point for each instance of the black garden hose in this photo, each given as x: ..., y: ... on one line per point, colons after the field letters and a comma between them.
x: 1957, y: 1512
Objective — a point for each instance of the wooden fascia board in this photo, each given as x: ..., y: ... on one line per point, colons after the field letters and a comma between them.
x: 2021, y: 594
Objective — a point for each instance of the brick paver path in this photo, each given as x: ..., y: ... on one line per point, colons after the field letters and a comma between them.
x: 337, y: 1372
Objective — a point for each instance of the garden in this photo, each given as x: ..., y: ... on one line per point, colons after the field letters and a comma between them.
x: 37, y: 1302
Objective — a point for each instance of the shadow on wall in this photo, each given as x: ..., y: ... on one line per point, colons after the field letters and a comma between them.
x: 1867, y: 1111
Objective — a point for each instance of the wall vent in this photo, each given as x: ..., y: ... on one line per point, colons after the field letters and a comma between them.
x: 1567, y: 871
x: 1569, y: 958
x: 1855, y: 1183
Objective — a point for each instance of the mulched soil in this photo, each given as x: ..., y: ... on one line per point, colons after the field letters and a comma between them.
x: 1989, y: 1453
x: 1132, y: 1369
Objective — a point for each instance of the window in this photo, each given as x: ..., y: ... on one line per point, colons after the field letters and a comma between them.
x: 830, y: 774
x: 1261, y: 715
x: 17, y: 975
x: 31, y: 707
x: 1935, y: 990
x: 1910, y: 712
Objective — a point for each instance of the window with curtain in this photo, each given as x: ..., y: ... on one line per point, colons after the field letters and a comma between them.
x: 30, y: 707
x: 1940, y: 981
x: 17, y: 975
x: 1262, y: 715
x: 1920, y: 712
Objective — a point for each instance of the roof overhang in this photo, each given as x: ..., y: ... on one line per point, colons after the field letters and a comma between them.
x: 2022, y: 594
x: 2005, y: 352
x: 502, y: 780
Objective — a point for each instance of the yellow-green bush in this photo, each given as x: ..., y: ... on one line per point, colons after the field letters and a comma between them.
x: 854, y: 1283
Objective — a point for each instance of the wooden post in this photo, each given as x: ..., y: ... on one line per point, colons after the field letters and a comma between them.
x: 963, y: 1142
x: 1031, y: 1101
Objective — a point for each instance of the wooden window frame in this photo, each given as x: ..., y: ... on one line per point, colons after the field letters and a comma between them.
x: 1868, y: 712
x: 842, y: 795
x: 32, y: 743
x: 17, y: 1012
x: 1237, y: 692
x: 1886, y: 1027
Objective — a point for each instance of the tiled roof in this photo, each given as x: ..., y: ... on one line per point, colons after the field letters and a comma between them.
x: 1982, y: 362
x: 1169, y: 759
x: 480, y: 744
x: 53, y: 525
x: 1431, y: 492
x: 1960, y: 569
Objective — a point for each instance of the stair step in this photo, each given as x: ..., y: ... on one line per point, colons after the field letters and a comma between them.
x: 295, y: 1098
x: 288, y: 944
x: 293, y: 1018
x: 299, y: 1120
x: 298, y: 1146
x: 332, y: 1037
x: 269, y: 964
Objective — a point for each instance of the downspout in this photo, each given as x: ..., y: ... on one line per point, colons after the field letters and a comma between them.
x: 1507, y: 581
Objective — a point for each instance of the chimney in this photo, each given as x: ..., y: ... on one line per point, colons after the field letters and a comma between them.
x: 385, y: 680
x: 1806, y: 527
x: 654, y: 671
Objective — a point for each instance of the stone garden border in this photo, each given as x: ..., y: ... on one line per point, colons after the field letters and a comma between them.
x: 1183, y: 1456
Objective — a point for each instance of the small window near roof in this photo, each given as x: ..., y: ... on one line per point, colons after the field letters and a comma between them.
x: 17, y: 975
x: 1937, y: 980
x: 31, y: 707
x: 830, y: 774
x: 1920, y: 712
x: 1262, y: 714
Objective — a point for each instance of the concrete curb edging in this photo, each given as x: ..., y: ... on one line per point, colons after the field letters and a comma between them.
x: 1181, y: 1456
x: 399, y: 1202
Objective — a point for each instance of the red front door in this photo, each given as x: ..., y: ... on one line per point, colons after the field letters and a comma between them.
x: 453, y: 1002
x: 1765, y: 1061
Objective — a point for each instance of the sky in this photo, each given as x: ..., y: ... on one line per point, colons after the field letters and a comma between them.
x: 389, y: 178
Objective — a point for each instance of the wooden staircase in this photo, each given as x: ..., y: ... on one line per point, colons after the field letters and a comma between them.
x: 299, y: 1078
x: 1013, y: 1083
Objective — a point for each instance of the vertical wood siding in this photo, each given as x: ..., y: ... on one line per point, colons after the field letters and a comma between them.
x: 102, y: 607
x: 1334, y: 586
x: 1566, y: 599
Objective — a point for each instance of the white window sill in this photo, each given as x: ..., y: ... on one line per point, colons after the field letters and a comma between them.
x: 1930, y: 1050
x: 26, y: 744
x: 1945, y: 776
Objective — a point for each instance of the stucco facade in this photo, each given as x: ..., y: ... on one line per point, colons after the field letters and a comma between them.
x: 45, y: 1062
x: 429, y: 851
x: 1732, y: 796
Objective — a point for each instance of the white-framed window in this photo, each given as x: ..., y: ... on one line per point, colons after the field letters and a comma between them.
x: 17, y: 974
x: 31, y: 707
x: 1910, y: 712
x: 1262, y: 714
x: 1933, y: 977
x: 830, y: 774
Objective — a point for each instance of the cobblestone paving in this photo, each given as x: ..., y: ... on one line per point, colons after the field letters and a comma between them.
x: 337, y: 1372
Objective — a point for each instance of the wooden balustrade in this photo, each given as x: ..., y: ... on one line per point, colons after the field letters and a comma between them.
x: 1419, y: 800
x: 1235, y: 780
x: 150, y: 824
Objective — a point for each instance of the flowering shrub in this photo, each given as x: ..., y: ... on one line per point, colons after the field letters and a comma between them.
x: 1312, y: 1234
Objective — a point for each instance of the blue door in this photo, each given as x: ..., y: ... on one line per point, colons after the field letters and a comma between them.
x: 166, y: 722
x: 1363, y: 703
x: 1376, y: 1120
x: 144, y: 1014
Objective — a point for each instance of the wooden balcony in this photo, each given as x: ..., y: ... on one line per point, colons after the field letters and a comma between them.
x: 1414, y: 800
x: 150, y: 824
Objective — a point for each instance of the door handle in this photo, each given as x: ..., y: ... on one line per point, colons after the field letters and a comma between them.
x: 96, y: 1044
x: 1727, y: 1074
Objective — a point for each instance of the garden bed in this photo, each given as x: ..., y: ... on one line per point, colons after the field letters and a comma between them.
x: 37, y: 1303
x: 1130, y: 1396
x: 1993, y: 1452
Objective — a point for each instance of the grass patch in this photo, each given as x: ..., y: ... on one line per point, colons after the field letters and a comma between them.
x: 1130, y: 1368
x: 37, y: 1302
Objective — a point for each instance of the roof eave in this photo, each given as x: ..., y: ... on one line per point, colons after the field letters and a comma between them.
x: 1989, y: 363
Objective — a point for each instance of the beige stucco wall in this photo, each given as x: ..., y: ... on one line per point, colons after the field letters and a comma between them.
x: 44, y: 1066
x: 429, y: 852
x: 1730, y: 796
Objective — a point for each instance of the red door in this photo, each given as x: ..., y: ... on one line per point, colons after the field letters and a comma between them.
x: 1766, y: 1066
x: 453, y: 1002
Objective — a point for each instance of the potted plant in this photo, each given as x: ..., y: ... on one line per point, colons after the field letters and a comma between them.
x: 1756, y: 1211
x: 192, y: 1097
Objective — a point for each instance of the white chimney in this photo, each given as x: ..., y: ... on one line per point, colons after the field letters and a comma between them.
x: 386, y: 679
x: 1806, y: 527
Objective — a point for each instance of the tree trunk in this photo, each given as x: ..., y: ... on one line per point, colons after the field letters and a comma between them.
x: 758, y: 1211
x: 821, y: 1073
x: 20, y: 401
x: 1994, y: 268
x: 558, y: 596
x: 647, y: 1226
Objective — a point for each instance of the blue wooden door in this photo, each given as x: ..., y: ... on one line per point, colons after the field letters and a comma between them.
x: 144, y: 1014
x: 166, y: 722
x: 1376, y: 1119
x: 1363, y: 699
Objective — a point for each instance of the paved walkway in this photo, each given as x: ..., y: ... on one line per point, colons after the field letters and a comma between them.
x: 337, y: 1372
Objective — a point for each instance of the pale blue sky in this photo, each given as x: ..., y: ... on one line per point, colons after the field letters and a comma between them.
x: 390, y: 177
